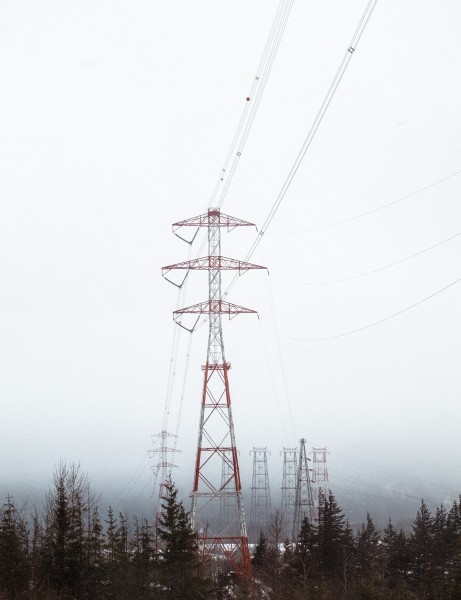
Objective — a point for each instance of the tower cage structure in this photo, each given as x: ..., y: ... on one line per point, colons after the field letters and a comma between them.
x: 163, y: 466
x: 227, y: 504
x: 320, y: 475
x: 260, y: 491
x: 290, y: 463
x: 304, y: 500
x: 216, y: 445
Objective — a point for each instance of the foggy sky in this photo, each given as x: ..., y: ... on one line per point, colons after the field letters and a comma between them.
x: 115, y: 121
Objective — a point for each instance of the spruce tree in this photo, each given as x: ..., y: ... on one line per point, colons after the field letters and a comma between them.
x: 441, y: 558
x: 63, y: 549
x: 421, y: 549
x: 260, y: 553
x: 368, y: 563
x: 14, y: 560
x: 331, y: 539
x: 305, y: 557
x: 181, y: 569
x: 110, y: 542
x: 396, y: 557
x: 142, y: 561
x: 367, y: 548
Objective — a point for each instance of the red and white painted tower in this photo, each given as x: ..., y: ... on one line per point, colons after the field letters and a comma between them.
x: 216, y: 439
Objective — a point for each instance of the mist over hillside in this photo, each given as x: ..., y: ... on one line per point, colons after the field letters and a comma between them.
x: 384, y: 498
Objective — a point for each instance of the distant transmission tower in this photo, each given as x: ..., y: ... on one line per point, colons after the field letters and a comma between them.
x: 216, y: 439
x: 320, y: 474
x: 304, y: 500
x: 164, y: 465
x: 260, y: 491
x: 290, y: 471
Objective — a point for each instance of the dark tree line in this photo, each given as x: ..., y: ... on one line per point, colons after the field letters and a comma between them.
x: 329, y: 562
x: 68, y: 551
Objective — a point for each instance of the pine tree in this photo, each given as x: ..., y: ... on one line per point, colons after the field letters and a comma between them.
x: 95, y: 540
x: 396, y: 557
x: 114, y: 579
x: 180, y: 566
x: 260, y: 553
x: 110, y: 543
x: 368, y: 554
x: 95, y: 572
x: 62, y: 550
x: 331, y: 539
x: 367, y: 548
x: 442, y: 544
x: 14, y: 559
x: 143, y: 563
x: 421, y: 549
x: 305, y: 558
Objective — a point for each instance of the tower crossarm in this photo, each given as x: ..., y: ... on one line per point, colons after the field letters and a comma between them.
x: 207, y: 263
x: 213, y: 217
x: 213, y: 306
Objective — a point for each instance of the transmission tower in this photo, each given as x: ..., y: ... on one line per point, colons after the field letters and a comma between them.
x: 227, y: 504
x: 290, y: 463
x: 216, y: 439
x: 260, y: 491
x: 304, y: 501
x: 320, y: 474
x: 164, y: 465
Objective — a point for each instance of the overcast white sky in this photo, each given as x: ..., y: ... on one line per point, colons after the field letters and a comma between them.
x: 115, y: 119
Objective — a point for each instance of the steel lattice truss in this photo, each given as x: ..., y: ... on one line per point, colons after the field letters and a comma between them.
x: 320, y: 475
x: 290, y: 471
x: 304, y: 501
x: 217, y: 485
x: 260, y: 490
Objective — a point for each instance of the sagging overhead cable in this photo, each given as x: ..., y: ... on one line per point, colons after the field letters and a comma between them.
x: 252, y: 102
x: 359, y: 329
x: 316, y: 123
x: 378, y: 270
x: 372, y: 210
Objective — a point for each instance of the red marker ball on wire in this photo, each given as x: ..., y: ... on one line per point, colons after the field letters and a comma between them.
x: 248, y: 98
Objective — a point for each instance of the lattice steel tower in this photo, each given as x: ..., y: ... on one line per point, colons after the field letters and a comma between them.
x: 216, y: 439
x: 304, y: 501
x: 290, y: 463
x: 320, y: 474
x: 227, y: 504
x: 260, y: 491
x: 164, y: 465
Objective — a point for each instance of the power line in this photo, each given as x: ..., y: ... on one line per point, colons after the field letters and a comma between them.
x: 372, y: 211
x: 259, y: 85
x: 252, y: 102
x: 316, y: 123
x: 271, y: 377
x: 388, y: 266
x: 339, y: 335
x: 279, y: 355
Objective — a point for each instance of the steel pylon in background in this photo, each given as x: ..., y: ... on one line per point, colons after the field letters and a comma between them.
x: 320, y: 475
x: 304, y: 501
x: 217, y: 476
x: 260, y: 490
x: 290, y: 471
x: 164, y: 465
